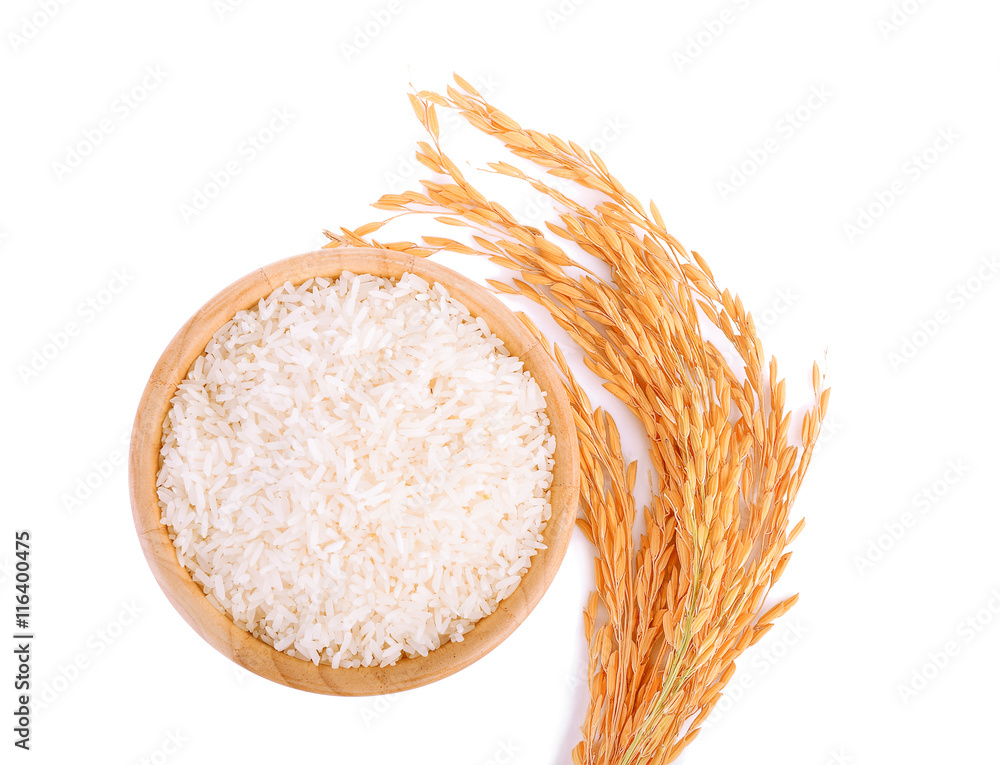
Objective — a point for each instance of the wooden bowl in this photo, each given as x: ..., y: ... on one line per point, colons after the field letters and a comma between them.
x: 217, y: 628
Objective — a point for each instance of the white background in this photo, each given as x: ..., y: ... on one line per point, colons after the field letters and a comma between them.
x: 676, y: 98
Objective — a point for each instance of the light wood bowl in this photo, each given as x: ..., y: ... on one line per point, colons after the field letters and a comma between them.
x: 217, y: 628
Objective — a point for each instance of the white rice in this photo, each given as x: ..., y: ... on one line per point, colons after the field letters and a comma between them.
x: 356, y: 470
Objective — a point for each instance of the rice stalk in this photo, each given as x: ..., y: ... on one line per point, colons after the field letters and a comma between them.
x: 670, y: 613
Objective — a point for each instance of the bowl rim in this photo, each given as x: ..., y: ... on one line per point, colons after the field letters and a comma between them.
x: 217, y: 628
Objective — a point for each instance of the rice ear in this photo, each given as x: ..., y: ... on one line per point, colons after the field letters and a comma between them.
x: 680, y: 602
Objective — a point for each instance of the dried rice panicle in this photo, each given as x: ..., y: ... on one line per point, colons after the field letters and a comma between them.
x: 671, y: 613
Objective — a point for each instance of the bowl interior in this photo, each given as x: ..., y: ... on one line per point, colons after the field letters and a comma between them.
x: 217, y: 628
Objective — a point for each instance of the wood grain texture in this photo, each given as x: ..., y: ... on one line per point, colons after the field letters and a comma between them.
x: 218, y: 629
